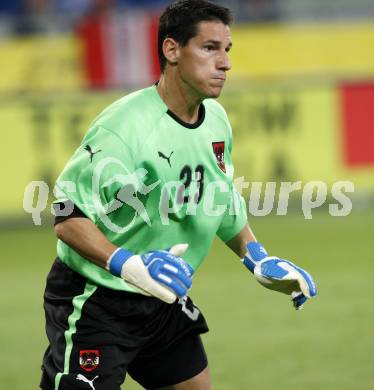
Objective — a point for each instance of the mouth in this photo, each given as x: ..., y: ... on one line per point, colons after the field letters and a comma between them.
x: 219, y: 80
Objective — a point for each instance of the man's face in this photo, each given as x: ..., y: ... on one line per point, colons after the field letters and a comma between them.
x: 204, y: 61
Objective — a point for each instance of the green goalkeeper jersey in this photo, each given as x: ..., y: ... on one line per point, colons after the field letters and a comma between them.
x: 150, y: 181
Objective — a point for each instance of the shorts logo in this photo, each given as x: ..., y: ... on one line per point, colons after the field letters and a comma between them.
x: 89, y: 359
x: 219, y: 152
x: 82, y: 378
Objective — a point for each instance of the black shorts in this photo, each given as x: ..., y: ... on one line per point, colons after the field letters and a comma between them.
x: 97, y: 335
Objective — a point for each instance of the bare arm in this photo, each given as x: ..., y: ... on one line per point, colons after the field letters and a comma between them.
x: 84, y: 237
x: 238, y: 244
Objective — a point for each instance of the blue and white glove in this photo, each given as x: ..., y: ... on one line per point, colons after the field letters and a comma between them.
x: 162, y: 274
x: 279, y: 274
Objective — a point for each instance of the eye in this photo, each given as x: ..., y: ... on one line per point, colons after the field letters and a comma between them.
x: 208, y: 48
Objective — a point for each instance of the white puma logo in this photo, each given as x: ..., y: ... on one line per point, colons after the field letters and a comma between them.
x: 82, y: 378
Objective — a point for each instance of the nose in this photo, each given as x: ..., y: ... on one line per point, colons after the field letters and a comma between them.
x: 224, y: 62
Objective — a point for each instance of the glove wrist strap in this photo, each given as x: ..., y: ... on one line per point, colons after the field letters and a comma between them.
x: 255, y: 254
x: 116, y: 261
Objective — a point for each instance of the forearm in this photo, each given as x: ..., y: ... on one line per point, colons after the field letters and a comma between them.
x: 162, y: 274
x: 238, y: 244
x: 84, y: 237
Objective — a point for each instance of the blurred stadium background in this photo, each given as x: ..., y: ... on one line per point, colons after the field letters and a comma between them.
x: 300, y: 98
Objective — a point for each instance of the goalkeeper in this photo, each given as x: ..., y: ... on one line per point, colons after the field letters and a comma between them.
x: 136, y: 213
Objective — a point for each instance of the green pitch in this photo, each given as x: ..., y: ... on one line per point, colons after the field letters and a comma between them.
x: 257, y: 340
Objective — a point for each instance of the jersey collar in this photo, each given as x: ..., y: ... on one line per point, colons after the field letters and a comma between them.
x: 195, y: 125
x: 200, y: 119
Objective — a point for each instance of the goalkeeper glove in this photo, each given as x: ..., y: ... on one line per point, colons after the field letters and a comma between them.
x: 162, y: 274
x: 279, y: 274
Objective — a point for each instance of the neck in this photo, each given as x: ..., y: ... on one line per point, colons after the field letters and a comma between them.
x: 179, y: 97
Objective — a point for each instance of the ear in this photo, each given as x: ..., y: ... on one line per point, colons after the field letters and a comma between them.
x: 171, y: 51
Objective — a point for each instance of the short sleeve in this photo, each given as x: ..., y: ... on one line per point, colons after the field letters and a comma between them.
x: 234, y: 218
x: 98, y: 170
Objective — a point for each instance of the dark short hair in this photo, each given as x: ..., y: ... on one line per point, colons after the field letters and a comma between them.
x: 180, y: 19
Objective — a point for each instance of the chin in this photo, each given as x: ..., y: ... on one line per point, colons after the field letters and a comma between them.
x: 209, y: 91
x: 214, y: 93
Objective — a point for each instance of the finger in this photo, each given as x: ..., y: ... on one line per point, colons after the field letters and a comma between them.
x: 138, y: 275
x: 164, y: 294
x: 171, y: 283
x: 307, y: 284
x: 298, y: 300
x: 300, y: 278
x: 175, y: 272
x: 304, y: 279
x: 179, y: 263
x: 179, y: 249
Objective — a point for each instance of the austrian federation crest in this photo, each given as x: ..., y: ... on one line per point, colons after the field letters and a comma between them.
x: 219, y: 152
x: 89, y: 359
